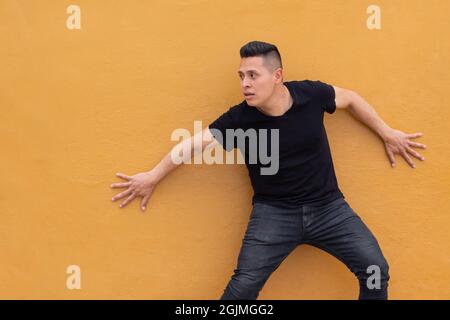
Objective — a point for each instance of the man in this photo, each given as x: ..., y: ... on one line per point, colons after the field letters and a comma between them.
x: 300, y: 202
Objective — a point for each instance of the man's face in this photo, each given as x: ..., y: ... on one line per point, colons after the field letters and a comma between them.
x: 258, y: 80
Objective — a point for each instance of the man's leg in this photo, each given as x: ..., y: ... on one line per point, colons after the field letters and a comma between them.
x: 337, y: 229
x: 272, y: 233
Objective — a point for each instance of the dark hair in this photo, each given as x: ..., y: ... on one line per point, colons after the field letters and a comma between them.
x: 258, y: 48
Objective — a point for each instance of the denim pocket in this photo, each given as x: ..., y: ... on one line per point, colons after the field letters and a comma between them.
x: 270, y: 224
x: 258, y: 209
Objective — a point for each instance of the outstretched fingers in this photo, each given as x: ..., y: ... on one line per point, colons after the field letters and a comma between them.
x: 391, y: 157
x: 414, y: 135
x: 131, y: 197
x: 417, y: 145
x: 121, y: 184
x: 121, y: 195
x: 145, y: 201
x: 123, y: 176
x: 415, y: 153
x: 407, y: 158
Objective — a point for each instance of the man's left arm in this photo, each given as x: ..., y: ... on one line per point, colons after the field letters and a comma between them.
x: 395, y: 141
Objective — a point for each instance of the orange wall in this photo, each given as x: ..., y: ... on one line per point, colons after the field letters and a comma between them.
x: 79, y: 105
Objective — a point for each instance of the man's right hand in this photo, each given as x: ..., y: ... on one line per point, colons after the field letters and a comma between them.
x: 139, y: 185
x: 143, y: 184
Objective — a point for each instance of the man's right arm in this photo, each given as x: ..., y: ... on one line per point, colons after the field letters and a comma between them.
x: 143, y: 184
x: 195, y: 144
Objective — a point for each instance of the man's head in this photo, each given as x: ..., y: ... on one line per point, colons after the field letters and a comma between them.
x: 260, y: 71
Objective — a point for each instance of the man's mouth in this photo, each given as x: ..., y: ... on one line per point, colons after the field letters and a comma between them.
x: 249, y: 94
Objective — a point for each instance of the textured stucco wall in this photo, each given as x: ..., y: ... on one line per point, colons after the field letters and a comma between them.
x: 79, y: 105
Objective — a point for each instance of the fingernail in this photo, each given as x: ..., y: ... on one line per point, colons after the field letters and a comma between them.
x: 112, y: 199
x: 143, y: 208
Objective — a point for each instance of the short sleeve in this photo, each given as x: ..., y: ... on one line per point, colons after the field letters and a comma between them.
x: 219, y: 126
x: 325, y: 94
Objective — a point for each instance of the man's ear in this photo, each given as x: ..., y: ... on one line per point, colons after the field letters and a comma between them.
x: 278, y: 73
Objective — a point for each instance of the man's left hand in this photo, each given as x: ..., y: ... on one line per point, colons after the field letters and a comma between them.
x: 397, y: 142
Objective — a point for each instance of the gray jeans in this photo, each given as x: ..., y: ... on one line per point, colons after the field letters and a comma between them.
x: 273, y: 232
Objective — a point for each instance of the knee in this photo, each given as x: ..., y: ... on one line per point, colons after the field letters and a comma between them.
x: 373, y: 280
x: 383, y: 266
x: 375, y: 271
x: 385, y: 270
x: 243, y: 286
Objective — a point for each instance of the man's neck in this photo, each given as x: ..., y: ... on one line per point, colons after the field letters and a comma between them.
x: 280, y: 103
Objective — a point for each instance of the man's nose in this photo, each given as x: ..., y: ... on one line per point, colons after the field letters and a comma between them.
x: 245, y: 84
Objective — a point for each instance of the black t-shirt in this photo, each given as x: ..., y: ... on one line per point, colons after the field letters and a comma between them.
x: 305, y: 174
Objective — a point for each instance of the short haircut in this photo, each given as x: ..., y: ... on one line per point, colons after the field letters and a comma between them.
x: 268, y: 51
